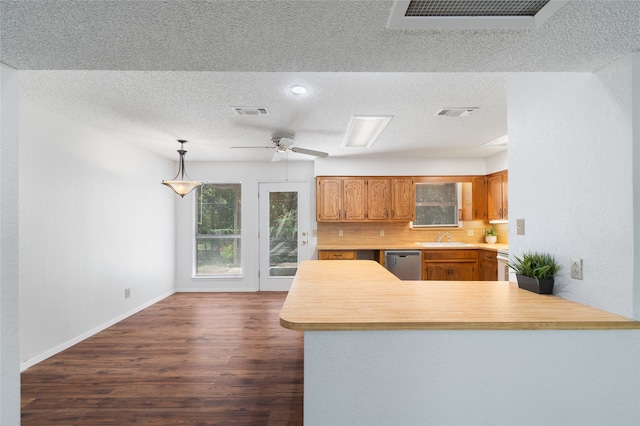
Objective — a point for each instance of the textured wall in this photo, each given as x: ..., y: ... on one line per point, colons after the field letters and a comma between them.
x: 570, y: 177
x: 94, y: 220
x: 9, y: 286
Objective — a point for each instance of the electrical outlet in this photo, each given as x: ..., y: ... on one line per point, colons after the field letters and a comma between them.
x: 576, y: 269
x: 470, y: 233
x: 127, y: 293
x: 340, y: 233
x: 382, y: 232
x: 520, y: 226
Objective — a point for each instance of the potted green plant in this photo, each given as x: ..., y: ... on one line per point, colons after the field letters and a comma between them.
x: 490, y: 235
x: 535, y: 271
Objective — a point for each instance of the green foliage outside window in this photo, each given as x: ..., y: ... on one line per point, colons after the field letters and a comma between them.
x: 218, y: 229
x: 283, y: 228
x: 436, y: 204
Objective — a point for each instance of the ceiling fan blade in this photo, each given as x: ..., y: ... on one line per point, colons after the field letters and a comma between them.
x: 309, y: 152
x: 242, y: 147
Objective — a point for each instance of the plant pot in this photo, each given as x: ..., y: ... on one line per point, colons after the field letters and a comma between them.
x: 491, y: 239
x: 544, y: 286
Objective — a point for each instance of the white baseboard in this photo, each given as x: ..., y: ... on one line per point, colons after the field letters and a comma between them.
x: 35, y: 360
x: 215, y: 290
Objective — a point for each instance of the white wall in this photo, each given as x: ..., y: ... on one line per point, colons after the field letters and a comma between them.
x: 497, y: 162
x: 571, y: 178
x: 9, y: 284
x: 94, y: 220
x: 635, y: 75
x: 250, y: 175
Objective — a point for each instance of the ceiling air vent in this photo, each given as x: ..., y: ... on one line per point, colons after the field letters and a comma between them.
x: 250, y: 110
x: 456, y: 112
x: 471, y: 14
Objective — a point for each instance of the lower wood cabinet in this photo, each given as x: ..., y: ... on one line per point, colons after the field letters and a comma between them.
x: 488, y: 266
x: 336, y: 254
x: 450, y: 265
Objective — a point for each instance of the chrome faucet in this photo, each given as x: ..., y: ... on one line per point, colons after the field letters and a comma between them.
x: 440, y: 236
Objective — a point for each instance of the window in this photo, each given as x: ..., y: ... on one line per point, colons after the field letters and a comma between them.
x: 218, y: 230
x: 437, y: 204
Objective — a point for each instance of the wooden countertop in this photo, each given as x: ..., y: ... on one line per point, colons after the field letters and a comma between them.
x: 411, y: 246
x: 362, y: 295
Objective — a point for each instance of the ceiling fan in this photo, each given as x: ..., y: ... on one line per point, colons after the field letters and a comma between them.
x: 282, y: 142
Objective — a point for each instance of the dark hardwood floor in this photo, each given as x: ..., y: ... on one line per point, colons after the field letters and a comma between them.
x: 190, y: 359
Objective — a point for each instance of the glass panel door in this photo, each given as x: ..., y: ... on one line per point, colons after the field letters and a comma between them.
x: 284, y: 227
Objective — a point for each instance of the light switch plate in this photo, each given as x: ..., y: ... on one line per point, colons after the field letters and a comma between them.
x: 520, y: 226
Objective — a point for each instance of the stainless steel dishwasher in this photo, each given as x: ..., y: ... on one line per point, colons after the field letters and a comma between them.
x: 404, y: 264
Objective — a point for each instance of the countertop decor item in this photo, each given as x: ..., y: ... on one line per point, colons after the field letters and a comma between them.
x: 490, y: 235
x: 535, y: 271
x: 179, y: 184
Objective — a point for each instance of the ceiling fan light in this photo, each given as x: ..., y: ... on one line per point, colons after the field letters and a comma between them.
x: 179, y: 184
x: 364, y: 130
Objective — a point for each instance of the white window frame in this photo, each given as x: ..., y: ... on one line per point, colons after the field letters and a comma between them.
x: 196, y: 237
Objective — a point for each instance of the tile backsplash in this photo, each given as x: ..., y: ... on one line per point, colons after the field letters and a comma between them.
x: 367, y: 233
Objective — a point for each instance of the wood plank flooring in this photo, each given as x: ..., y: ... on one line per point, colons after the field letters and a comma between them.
x: 190, y: 359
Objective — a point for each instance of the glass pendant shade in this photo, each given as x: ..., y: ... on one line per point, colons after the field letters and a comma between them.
x: 181, y: 184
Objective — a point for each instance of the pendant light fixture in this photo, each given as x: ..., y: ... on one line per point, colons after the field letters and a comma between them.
x: 182, y: 183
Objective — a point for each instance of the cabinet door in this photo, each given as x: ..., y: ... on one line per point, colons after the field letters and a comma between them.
x: 329, y: 199
x: 354, y: 199
x: 479, y: 198
x: 505, y: 195
x: 488, y: 271
x: 403, y: 199
x: 378, y: 199
x: 494, y: 197
x: 436, y: 271
x: 463, y: 272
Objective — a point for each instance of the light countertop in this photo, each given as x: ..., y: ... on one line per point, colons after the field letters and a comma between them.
x: 362, y: 295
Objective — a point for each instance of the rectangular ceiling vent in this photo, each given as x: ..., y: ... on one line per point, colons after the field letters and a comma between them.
x: 456, y: 112
x: 471, y: 14
x: 250, y: 110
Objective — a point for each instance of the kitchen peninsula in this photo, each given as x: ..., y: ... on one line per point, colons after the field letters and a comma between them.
x: 381, y: 351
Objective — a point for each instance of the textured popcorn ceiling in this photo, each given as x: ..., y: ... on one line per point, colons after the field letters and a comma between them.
x: 154, y: 71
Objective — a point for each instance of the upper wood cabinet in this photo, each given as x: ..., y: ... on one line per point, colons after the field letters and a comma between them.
x: 362, y: 199
x: 403, y: 199
x: 378, y: 198
x: 479, y: 195
x: 474, y: 199
x: 498, y: 195
x: 329, y: 199
x: 341, y: 199
x: 354, y: 199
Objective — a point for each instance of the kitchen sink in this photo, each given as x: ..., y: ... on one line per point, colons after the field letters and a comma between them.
x: 444, y: 244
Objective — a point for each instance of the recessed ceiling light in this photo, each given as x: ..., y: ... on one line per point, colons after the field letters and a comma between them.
x: 364, y: 130
x: 298, y: 90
